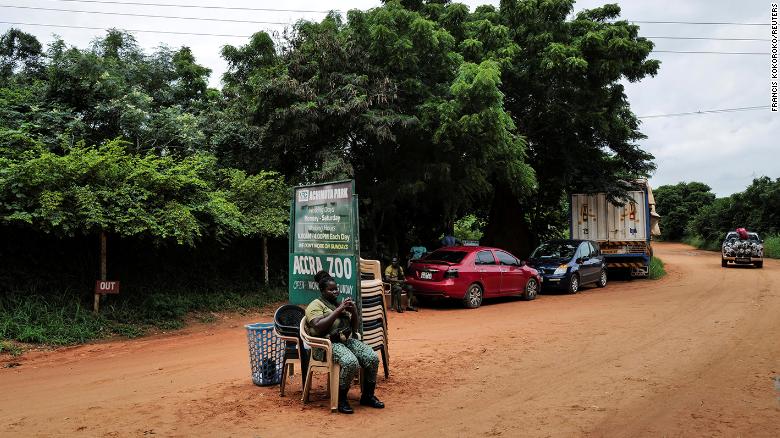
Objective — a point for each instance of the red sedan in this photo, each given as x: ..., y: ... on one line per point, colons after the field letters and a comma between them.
x: 471, y: 273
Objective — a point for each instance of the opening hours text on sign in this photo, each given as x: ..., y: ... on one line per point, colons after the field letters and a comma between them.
x: 324, y: 236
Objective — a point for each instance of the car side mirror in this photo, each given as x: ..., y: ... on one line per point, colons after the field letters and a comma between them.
x: 579, y: 260
x: 523, y: 263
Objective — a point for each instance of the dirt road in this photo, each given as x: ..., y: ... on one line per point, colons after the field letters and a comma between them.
x: 694, y: 354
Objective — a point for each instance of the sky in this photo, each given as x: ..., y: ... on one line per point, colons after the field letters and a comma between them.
x: 724, y: 150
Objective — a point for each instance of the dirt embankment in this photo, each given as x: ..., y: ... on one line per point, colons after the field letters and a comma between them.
x: 694, y: 354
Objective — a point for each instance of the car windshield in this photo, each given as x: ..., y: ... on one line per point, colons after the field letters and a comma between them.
x: 555, y: 250
x: 445, y: 256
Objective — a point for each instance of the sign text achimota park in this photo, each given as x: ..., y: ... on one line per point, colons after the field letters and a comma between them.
x: 324, y: 236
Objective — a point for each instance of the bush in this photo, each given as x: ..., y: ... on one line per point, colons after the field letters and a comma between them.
x: 772, y: 246
x: 52, y: 320
x: 656, y: 268
x: 10, y: 348
x: 62, y: 320
x: 700, y: 243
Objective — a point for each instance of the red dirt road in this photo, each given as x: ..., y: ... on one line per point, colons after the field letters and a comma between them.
x: 694, y: 354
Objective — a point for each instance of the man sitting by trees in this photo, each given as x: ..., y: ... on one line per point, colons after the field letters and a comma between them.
x: 394, y: 274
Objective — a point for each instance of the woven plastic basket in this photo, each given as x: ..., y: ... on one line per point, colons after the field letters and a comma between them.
x: 266, y: 354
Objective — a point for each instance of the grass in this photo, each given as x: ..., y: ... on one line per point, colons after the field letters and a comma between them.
x: 10, y: 348
x: 63, y: 320
x: 698, y: 242
x: 772, y: 247
x: 656, y: 269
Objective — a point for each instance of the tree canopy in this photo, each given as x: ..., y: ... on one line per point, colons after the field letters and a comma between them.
x: 113, y: 139
x: 438, y: 112
x: 678, y: 204
x: 757, y: 208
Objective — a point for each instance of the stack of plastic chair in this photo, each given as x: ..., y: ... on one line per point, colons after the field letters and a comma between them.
x: 374, y: 312
x: 287, y: 320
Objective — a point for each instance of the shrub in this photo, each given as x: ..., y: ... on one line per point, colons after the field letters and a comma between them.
x: 656, y: 268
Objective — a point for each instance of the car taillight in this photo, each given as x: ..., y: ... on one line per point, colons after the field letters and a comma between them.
x: 451, y: 273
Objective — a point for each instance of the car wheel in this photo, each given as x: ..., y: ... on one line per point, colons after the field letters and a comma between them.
x: 760, y: 264
x: 724, y: 263
x: 574, y: 284
x: 473, y: 297
x: 531, y: 289
x: 602, y: 279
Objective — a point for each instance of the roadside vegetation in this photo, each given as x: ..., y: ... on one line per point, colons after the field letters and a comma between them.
x: 690, y: 212
x: 657, y: 270
x: 62, y: 320
x: 445, y: 116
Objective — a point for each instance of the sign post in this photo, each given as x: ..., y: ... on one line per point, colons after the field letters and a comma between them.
x: 324, y: 236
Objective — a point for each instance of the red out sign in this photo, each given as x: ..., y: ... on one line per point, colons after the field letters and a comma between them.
x: 106, y: 287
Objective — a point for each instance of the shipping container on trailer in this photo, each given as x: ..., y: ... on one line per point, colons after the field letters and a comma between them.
x: 624, y: 232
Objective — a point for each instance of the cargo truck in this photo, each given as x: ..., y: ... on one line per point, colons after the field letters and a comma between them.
x: 624, y: 232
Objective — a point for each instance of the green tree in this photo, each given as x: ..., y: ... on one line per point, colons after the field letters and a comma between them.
x: 94, y: 189
x: 678, y: 204
x: 757, y: 208
x: 387, y: 99
x: 20, y: 54
x: 563, y: 89
x: 154, y: 101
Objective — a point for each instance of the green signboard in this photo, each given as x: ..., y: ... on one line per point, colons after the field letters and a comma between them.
x: 324, y: 236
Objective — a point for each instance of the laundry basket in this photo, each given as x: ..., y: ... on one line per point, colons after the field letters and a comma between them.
x: 266, y: 354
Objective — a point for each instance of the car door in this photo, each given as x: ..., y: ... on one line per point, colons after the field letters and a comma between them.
x: 582, y: 257
x: 594, y: 263
x: 489, y: 272
x: 512, y: 274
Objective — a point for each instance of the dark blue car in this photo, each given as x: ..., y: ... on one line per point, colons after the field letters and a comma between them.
x: 569, y: 264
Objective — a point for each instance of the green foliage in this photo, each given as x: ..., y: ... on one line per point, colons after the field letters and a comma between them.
x: 657, y: 270
x: 386, y: 98
x: 20, y: 53
x: 62, y: 320
x: 678, y: 204
x: 106, y: 188
x: 757, y: 209
x: 10, y: 348
x: 469, y: 227
x: 563, y: 88
x: 772, y: 246
x: 55, y: 321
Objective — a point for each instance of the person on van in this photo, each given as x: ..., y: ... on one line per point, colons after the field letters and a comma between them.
x: 326, y: 317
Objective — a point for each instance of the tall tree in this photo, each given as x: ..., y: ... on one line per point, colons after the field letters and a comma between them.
x: 678, y: 204
x: 387, y: 98
x: 20, y: 53
x: 564, y: 91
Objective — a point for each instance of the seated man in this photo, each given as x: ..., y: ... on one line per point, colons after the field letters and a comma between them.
x: 394, y: 274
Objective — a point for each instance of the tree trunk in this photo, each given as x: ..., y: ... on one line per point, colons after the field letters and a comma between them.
x: 265, y: 260
x: 506, y: 227
x: 103, y: 268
